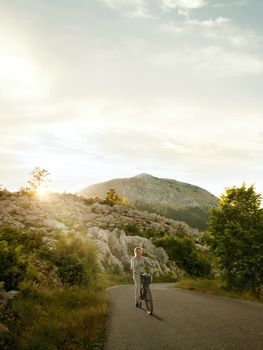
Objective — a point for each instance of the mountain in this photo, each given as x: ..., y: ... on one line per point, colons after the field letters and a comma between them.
x: 167, y: 197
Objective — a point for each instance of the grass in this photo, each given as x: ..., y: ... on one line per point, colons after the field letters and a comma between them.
x: 69, y: 319
x: 116, y: 279
x: 216, y: 287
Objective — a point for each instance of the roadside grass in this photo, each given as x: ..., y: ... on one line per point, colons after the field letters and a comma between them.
x: 72, y: 318
x: 116, y: 279
x: 216, y: 287
x: 167, y: 278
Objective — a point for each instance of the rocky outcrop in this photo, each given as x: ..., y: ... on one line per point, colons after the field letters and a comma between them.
x: 116, y: 249
x: 69, y: 213
x: 107, y: 225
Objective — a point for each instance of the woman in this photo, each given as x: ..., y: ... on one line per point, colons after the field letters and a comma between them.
x: 137, y: 266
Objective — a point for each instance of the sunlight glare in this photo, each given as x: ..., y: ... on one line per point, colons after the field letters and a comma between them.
x: 20, y: 76
x: 42, y: 191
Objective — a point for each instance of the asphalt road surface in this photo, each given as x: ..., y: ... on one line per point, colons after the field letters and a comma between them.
x: 183, y: 320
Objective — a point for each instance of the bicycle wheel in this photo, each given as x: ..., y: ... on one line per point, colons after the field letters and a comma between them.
x: 148, y: 300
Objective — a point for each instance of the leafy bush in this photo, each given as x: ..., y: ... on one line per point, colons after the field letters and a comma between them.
x: 16, y: 250
x: 184, y: 253
x: 76, y: 261
x: 43, y: 316
x: 91, y: 200
x: 131, y: 229
x: 113, y: 198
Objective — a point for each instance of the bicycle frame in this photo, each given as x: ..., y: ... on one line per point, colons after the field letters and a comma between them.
x: 145, y: 294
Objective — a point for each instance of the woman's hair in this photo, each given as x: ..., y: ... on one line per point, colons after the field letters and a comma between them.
x: 137, y: 248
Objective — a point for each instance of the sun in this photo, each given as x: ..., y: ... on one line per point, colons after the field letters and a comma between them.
x: 42, y: 191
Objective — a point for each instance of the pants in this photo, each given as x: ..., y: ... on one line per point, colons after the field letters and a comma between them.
x: 137, y: 280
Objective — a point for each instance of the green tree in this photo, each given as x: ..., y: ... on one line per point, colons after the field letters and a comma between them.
x: 235, y: 235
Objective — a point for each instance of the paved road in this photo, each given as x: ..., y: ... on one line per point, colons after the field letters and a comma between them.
x: 183, y: 320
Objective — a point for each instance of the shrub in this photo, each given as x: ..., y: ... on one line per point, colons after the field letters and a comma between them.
x: 16, y: 249
x: 183, y: 252
x: 76, y: 261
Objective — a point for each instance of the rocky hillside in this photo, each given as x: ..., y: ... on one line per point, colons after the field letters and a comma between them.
x: 108, y: 226
x: 170, y: 198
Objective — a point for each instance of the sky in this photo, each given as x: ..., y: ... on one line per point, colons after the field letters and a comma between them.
x: 93, y: 90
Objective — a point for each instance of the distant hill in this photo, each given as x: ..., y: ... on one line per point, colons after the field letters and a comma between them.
x: 170, y: 198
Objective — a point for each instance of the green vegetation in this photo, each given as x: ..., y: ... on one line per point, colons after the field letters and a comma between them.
x: 186, y: 256
x: 71, y: 318
x: 18, y: 250
x: 180, y: 249
x: 216, y: 287
x: 62, y: 302
x: 113, y: 198
x: 235, y: 235
x: 194, y: 216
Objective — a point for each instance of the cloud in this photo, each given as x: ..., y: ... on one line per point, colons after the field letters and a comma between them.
x: 214, y: 47
x: 135, y: 8
x: 182, y: 6
x: 142, y: 8
x: 210, y: 23
x: 237, y: 3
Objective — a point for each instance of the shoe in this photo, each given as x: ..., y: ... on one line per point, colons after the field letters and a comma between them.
x: 137, y: 304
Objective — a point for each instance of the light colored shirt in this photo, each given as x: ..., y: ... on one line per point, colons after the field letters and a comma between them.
x: 138, y: 265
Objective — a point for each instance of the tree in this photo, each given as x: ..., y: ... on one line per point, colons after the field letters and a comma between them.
x: 39, y: 180
x: 235, y: 235
x: 112, y: 198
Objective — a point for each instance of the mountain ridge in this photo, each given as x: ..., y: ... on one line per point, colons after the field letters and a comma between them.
x: 167, y: 197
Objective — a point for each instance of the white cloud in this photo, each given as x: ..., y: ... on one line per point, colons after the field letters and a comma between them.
x: 141, y: 8
x: 210, y: 23
x: 182, y: 6
x: 135, y: 8
x: 214, y: 48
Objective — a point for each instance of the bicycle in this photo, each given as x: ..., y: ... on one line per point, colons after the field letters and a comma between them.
x: 145, y: 292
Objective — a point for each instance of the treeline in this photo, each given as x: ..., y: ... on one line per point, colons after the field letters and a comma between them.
x: 194, y: 217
